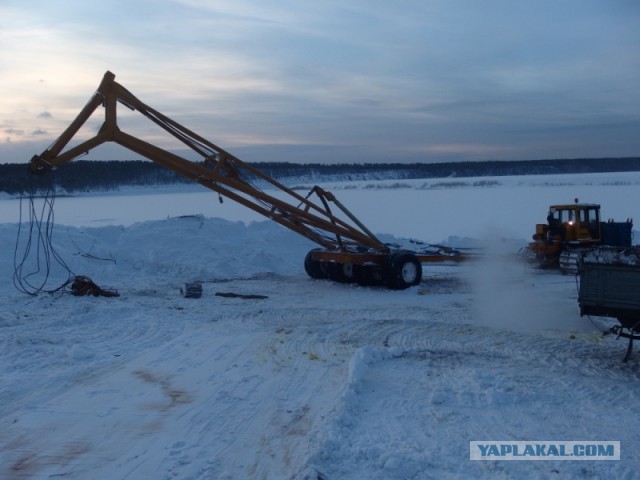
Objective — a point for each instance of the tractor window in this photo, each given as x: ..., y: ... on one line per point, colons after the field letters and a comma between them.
x: 589, y: 215
x: 555, y: 215
x: 584, y: 216
x: 594, y: 223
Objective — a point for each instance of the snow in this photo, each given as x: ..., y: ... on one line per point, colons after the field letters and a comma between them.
x: 613, y: 256
x: 317, y: 380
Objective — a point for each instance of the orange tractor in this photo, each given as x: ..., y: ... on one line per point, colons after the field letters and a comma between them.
x: 570, y: 230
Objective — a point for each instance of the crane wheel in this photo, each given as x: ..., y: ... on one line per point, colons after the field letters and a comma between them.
x: 403, y: 270
x: 314, y: 268
x: 339, y: 272
x: 363, y: 275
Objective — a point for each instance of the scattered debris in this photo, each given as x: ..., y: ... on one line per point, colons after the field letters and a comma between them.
x: 239, y: 295
x: 192, y: 290
x: 82, y: 286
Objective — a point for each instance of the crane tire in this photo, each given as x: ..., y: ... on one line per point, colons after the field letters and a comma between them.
x: 403, y: 270
x: 314, y: 267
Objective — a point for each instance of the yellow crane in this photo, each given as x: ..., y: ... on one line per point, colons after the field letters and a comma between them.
x: 349, y: 252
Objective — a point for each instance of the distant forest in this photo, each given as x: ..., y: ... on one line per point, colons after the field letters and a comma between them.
x: 83, y: 175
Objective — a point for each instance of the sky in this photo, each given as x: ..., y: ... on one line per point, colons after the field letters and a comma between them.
x: 333, y: 81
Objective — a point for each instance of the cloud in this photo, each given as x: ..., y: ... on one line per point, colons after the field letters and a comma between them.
x: 14, y: 132
x: 442, y: 80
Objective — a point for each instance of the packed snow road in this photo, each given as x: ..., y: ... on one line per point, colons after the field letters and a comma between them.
x: 317, y: 380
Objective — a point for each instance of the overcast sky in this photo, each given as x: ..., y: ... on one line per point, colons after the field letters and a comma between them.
x: 334, y: 81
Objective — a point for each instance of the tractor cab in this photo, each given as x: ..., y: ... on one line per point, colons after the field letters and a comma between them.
x: 578, y: 222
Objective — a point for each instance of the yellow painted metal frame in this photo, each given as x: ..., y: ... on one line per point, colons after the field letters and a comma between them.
x: 219, y: 171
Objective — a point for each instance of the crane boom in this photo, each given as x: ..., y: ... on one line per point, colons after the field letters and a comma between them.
x: 219, y: 170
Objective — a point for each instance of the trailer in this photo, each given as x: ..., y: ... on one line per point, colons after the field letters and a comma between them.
x: 609, y: 286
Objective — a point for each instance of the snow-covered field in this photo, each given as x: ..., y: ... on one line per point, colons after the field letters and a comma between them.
x: 317, y: 380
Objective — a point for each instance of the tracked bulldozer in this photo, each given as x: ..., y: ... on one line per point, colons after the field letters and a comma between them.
x: 572, y: 229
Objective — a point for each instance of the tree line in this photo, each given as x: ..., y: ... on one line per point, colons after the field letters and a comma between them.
x: 84, y: 175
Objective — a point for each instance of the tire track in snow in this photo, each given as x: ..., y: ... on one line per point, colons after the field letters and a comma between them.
x: 50, y: 347
x: 468, y: 396
x: 265, y: 381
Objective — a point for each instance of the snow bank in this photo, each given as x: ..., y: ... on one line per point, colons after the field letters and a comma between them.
x: 162, y: 253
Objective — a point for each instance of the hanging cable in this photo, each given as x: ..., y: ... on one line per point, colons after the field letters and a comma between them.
x: 34, y: 255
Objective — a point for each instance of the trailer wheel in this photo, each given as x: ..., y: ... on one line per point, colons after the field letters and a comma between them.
x: 339, y: 272
x: 363, y: 275
x: 403, y: 270
x: 314, y: 267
